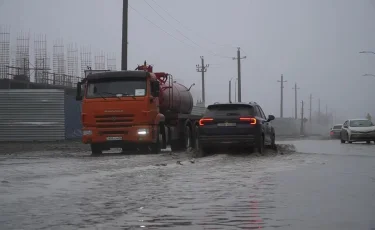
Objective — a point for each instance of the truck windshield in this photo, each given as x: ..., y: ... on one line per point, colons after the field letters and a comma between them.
x: 113, y: 88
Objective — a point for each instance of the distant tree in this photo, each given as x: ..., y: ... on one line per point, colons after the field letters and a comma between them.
x: 368, y: 117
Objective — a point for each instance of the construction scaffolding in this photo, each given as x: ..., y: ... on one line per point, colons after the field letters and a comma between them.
x: 100, y: 61
x: 42, y: 62
x: 111, y: 62
x: 59, y: 63
x: 85, y: 56
x: 23, y: 57
x: 4, y: 51
x: 43, y: 67
x: 72, y: 62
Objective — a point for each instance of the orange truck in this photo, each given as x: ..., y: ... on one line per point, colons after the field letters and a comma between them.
x: 136, y: 109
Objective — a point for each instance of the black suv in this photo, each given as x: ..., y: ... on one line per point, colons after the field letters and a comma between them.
x: 235, y: 125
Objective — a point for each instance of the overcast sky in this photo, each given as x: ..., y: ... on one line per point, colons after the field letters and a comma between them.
x: 315, y: 43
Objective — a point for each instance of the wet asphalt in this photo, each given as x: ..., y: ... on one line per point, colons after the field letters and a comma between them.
x: 321, y: 184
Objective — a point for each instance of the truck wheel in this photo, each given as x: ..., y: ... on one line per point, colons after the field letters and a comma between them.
x: 163, y: 136
x: 96, y: 150
x: 260, y: 145
x: 175, y: 145
x: 156, y: 147
x: 188, y: 139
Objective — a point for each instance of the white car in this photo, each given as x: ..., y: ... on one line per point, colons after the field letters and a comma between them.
x: 354, y: 130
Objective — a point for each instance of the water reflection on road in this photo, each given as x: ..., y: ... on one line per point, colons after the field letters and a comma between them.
x: 217, y: 192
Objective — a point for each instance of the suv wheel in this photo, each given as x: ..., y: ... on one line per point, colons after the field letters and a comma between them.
x: 260, y: 145
x: 273, y: 142
x: 203, y: 151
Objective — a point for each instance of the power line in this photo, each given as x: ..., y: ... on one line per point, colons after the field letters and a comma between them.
x: 159, y: 27
x: 187, y: 28
x: 212, y: 53
x: 209, y: 51
x: 169, y: 23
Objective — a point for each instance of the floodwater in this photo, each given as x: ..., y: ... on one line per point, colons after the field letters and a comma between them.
x: 324, y: 185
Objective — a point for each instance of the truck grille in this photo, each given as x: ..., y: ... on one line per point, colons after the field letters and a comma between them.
x: 114, y: 121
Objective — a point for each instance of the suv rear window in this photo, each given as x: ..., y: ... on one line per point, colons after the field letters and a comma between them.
x: 229, y: 110
x: 337, y: 127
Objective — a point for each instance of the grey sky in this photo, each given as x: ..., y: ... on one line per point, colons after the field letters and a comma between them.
x: 312, y: 42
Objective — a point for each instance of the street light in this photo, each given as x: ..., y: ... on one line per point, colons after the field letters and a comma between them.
x: 366, y: 75
x: 367, y: 52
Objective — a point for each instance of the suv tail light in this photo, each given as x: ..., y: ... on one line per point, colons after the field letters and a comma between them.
x: 204, y: 121
x: 251, y: 120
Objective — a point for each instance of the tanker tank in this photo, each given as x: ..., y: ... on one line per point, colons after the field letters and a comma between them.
x: 176, y: 98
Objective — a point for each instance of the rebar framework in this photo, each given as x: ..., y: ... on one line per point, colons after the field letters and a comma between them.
x: 85, y: 56
x: 42, y: 62
x: 100, y: 61
x: 4, y: 51
x: 111, y: 62
x: 72, y: 62
x: 59, y: 63
x: 23, y: 55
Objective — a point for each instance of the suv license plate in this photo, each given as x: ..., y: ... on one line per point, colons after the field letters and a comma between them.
x: 227, y: 124
x: 114, y: 138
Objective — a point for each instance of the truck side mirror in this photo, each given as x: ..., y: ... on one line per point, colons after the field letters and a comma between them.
x: 79, y: 92
x: 155, y: 88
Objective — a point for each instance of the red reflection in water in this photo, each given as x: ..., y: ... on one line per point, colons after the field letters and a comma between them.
x: 256, y: 220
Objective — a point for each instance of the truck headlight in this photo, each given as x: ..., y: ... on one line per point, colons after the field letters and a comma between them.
x: 87, y: 132
x: 142, y: 132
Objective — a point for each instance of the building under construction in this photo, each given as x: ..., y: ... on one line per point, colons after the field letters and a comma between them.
x: 27, y: 63
x: 40, y: 80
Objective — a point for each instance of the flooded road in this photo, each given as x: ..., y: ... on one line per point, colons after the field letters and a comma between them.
x: 324, y: 185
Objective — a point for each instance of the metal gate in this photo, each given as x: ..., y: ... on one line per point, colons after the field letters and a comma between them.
x: 32, y: 115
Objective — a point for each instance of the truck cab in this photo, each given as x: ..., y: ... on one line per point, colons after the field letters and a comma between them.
x: 120, y: 109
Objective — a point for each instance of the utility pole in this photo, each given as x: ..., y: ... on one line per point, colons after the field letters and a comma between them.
x: 326, y: 110
x: 302, y: 120
x: 295, y: 100
x: 230, y: 91
x: 203, y: 68
x: 319, y: 111
x: 310, y: 107
x: 124, y: 50
x: 238, y: 58
x: 282, y: 95
x: 235, y: 90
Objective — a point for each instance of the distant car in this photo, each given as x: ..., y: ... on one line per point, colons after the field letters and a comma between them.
x: 235, y: 125
x: 335, y: 131
x: 355, y: 130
